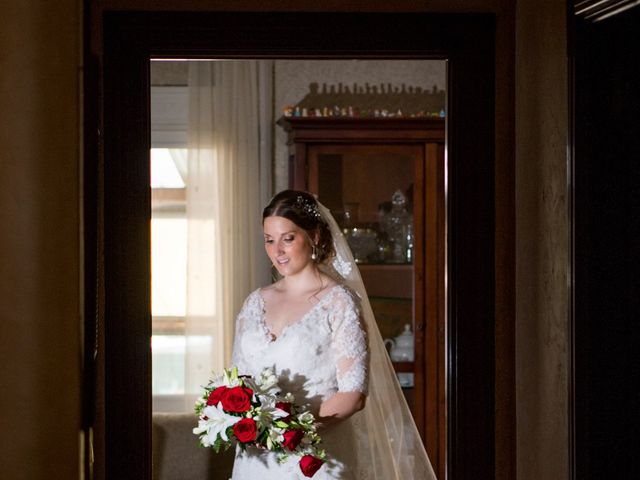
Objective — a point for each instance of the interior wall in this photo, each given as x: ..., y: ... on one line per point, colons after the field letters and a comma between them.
x: 542, y: 241
x: 292, y: 79
x: 40, y: 271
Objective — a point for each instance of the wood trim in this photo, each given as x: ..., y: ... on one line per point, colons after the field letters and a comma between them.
x: 373, y: 130
x: 434, y: 361
x: 421, y: 375
x: 131, y: 38
x: 441, y: 335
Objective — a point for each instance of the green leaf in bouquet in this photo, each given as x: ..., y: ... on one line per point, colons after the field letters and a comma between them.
x: 218, y: 444
x: 321, y: 454
x: 232, y: 374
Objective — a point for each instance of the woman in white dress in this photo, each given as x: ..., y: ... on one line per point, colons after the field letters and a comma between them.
x: 315, y: 328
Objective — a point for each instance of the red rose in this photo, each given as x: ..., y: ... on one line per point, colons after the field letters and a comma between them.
x: 216, y: 395
x: 310, y: 465
x: 245, y: 430
x: 292, y: 438
x: 286, y: 406
x: 237, y: 399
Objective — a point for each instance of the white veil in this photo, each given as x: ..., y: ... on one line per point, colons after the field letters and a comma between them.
x: 389, y: 445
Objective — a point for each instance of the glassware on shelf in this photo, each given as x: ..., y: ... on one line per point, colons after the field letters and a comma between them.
x: 351, y: 214
x: 384, y: 248
x: 409, y: 244
x: 362, y: 241
x: 398, y: 225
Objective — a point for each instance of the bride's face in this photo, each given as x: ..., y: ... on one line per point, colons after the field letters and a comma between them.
x: 287, y: 245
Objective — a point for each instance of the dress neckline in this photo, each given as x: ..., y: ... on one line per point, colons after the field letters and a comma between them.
x: 263, y: 313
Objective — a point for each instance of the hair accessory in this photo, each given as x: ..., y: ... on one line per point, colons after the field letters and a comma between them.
x: 310, y: 209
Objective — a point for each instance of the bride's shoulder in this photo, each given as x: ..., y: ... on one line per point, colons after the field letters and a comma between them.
x: 253, y: 297
x: 344, y: 295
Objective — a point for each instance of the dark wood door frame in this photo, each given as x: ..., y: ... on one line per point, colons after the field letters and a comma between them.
x: 130, y: 39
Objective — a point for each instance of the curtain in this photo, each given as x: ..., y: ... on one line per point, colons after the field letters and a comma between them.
x: 228, y: 184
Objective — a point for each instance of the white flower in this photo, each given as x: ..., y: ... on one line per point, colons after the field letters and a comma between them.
x: 216, y: 423
x: 288, y: 397
x: 306, y: 417
x: 268, y: 378
x: 265, y: 384
x: 230, y: 378
x: 267, y: 412
x: 275, y: 437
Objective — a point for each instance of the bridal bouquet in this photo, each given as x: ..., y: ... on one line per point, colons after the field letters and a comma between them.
x: 246, y: 411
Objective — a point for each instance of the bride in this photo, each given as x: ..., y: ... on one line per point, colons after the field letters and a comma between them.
x: 315, y: 328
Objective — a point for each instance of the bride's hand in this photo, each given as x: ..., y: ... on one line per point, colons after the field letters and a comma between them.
x: 340, y: 407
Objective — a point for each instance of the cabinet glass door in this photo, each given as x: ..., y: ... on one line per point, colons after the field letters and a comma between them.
x: 376, y: 194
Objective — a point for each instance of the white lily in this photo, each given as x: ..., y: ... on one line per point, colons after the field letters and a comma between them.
x: 216, y: 423
x: 267, y: 412
x: 265, y: 384
x: 268, y: 379
x: 275, y: 437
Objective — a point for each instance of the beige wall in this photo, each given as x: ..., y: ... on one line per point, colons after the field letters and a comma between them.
x: 39, y: 240
x: 541, y: 241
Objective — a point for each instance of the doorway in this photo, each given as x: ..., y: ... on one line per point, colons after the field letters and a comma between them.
x: 131, y: 39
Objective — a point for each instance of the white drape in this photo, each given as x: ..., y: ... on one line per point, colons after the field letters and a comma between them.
x: 229, y: 181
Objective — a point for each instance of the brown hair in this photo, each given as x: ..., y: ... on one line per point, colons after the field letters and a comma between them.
x: 302, y: 209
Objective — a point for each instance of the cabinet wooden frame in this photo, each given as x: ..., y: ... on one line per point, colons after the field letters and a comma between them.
x: 422, y: 139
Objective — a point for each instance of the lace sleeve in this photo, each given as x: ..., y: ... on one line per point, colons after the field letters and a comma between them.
x: 349, y: 344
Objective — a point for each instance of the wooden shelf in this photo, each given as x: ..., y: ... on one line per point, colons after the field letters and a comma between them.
x: 403, y: 367
x: 388, y: 280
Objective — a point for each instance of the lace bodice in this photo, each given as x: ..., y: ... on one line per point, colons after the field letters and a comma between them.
x: 323, y: 352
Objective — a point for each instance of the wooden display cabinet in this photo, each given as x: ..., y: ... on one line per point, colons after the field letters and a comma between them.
x: 363, y: 161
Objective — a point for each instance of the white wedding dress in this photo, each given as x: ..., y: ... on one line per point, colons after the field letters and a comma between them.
x: 322, y: 353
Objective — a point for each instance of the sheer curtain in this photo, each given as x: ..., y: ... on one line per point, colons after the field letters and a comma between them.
x: 229, y: 182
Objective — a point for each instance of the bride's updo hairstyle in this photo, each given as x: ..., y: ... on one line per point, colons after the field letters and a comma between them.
x: 302, y: 209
